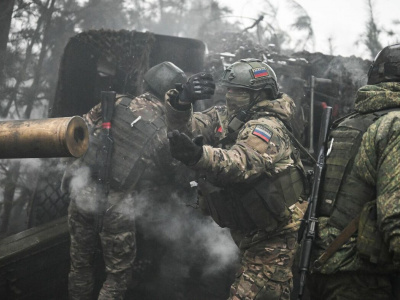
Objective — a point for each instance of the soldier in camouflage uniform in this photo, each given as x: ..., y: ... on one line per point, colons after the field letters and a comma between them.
x: 140, y: 161
x: 250, y: 174
x: 361, y: 186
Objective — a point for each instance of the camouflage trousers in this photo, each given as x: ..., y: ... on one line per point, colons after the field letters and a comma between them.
x: 266, y: 267
x: 118, y: 245
x: 350, y: 286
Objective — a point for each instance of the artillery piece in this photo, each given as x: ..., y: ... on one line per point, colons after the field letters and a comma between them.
x: 42, y: 138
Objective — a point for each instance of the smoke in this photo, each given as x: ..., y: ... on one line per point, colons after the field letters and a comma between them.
x: 82, y: 188
x: 351, y: 69
x: 219, y: 245
x: 172, y: 221
x: 188, y: 248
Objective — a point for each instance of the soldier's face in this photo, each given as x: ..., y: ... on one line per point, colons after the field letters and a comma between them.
x: 236, y: 99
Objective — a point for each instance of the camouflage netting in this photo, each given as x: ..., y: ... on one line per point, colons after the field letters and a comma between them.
x: 100, y: 60
x: 47, y: 202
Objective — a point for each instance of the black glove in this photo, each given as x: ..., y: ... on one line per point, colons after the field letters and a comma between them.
x: 198, y: 86
x: 183, y: 148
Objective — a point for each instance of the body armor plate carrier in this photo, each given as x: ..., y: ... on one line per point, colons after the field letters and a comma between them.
x: 132, y: 134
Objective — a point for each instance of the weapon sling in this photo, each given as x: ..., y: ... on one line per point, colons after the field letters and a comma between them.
x: 338, y: 242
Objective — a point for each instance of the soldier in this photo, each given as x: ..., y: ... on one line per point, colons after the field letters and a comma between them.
x: 140, y: 161
x: 250, y: 174
x: 361, y: 190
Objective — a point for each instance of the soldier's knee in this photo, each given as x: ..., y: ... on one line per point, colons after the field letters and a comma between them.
x: 119, y: 251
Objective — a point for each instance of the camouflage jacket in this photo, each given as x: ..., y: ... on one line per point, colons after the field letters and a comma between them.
x: 375, y: 164
x: 262, y: 146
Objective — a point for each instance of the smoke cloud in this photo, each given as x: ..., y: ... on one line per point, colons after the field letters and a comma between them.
x: 190, y: 246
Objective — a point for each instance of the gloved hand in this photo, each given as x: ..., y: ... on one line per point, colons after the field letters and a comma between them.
x: 198, y: 86
x: 183, y: 148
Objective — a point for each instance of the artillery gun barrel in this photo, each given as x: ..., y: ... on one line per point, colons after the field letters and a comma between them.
x: 41, y: 138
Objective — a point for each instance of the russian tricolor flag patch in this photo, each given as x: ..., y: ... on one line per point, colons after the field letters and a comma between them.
x: 263, y: 133
x: 260, y: 72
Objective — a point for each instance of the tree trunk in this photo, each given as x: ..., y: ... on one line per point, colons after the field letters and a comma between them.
x: 31, y: 97
x: 22, y: 72
x: 9, y: 191
x: 6, y: 9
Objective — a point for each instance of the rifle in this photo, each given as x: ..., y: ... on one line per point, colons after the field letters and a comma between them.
x: 309, y: 223
x: 104, y: 154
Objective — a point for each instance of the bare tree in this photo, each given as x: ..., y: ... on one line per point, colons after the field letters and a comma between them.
x: 6, y: 9
x: 10, y: 185
x: 371, y: 39
x: 302, y: 23
x: 31, y: 95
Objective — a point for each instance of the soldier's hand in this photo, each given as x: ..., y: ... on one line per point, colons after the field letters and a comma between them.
x: 183, y: 148
x: 198, y: 86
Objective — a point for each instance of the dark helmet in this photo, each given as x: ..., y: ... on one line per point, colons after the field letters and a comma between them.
x: 162, y: 77
x: 386, y: 65
x: 251, y: 74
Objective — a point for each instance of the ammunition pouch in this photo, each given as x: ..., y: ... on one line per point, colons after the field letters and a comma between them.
x: 370, y: 243
x: 263, y: 204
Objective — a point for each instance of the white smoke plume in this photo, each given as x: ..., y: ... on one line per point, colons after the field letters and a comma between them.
x: 193, y: 246
x: 82, y: 189
x: 173, y: 221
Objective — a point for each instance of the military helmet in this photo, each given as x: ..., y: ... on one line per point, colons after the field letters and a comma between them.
x: 163, y: 77
x: 251, y: 74
x: 386, y: 65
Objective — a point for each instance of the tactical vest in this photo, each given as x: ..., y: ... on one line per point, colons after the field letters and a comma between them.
x: 132, y: 134
x: 260, y: 205
x: 344, y: 195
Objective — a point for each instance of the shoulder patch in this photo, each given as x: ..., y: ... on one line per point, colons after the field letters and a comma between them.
x: 263, y: 133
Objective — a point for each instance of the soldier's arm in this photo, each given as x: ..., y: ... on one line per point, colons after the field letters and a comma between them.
x: 377, y: 162
x: 261, y: 148
x: 192, y: 124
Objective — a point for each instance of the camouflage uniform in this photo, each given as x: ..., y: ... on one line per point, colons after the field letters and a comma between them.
x: 266, y: 254
x: 348, y: 275
x: 118, y: 227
